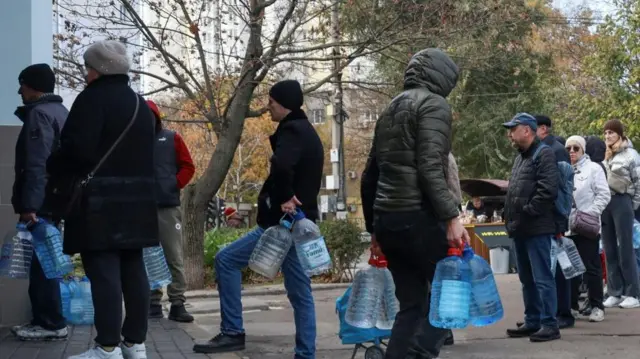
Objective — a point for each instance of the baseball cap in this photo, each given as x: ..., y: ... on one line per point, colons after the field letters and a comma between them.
x: 522, y: 118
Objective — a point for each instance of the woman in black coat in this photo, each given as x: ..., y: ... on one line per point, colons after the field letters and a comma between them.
x: 115, y: 217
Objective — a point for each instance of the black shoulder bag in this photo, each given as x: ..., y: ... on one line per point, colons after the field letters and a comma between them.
x: 75, y: 188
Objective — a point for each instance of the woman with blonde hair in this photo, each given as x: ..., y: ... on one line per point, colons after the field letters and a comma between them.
x: 623, y: 177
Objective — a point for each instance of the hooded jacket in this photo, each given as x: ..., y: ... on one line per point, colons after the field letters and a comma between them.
x: 407, y: 165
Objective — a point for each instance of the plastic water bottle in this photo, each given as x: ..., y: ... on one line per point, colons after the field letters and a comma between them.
x: 451, y: 292
x: 65, y: 296
x: 310, y: 246
x: 636, y: 234
x: 156, y: 266
x: 82, y: 303
x: 270, y: 251
x: 16, y: 253
x: 366, y: 294
x: 569, y: 259
x: 389, y: 306
x: 47, y: 243
x: 486, y: 306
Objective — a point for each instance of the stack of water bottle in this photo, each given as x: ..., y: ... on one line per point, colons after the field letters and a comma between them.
x: 275, y: 243
x: 77, y: 301
x: 373, y: 302
x: 464, y: 292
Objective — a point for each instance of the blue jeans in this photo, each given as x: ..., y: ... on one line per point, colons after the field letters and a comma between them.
x: 228, y: 265
x: 533, y: 256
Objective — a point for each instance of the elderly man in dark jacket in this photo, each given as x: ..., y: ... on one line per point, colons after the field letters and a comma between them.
x: 116, y: 216
x: 529, y: 217
x: 404, y: 186
x: 293, y: 182
x: 43, y: 116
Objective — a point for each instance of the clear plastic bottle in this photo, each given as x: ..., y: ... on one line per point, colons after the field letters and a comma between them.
x: 451, y: 292
x: 486, y: 306
x: 65, y: 296
x: 155, y: 264
x: 47, y: 242
x: 636, y: 234
x: 366, y: 294
x: 389, y: 305
x: 81, y: 304
x: 16, y: 253
x: 310, y: 246
x: 270, y: 251
x: 569, y: 259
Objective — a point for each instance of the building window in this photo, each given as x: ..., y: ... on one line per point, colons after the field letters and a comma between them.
x: 369, y: 116
x: 318, y: 116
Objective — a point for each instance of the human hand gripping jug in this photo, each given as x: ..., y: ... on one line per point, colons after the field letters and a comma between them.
x: 310, y: 246
x: 451, y: 292
x: 486, y: 306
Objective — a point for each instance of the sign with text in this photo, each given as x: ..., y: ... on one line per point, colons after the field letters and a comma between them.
x: 493, y: 235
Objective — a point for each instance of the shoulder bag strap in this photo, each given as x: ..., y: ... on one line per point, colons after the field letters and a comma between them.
x: 115, y: 144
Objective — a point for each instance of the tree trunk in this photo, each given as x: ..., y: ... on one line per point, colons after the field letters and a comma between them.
x: 193, y: 234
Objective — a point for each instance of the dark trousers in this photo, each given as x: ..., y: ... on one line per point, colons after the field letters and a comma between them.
x: 617, y: 241
x: 563, y: 291
x: 533, y: 255
x: 114, y: 275
x: 589, y: 250
x: 46, y: 305
x: 413, y: 243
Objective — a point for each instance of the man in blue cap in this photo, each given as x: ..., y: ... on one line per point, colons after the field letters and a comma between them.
x: 529, y: 220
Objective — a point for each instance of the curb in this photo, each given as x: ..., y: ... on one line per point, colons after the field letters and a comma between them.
x: 263, y: 290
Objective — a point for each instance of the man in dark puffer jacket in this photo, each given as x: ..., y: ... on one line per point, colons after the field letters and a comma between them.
x: 529, y: 208
x: 405, y: 186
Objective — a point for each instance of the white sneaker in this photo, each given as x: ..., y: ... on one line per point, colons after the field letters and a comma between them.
x: 136, y: 351
x: 597, y: 315
x: 99, y: 353
x: 34, y: 332
x: 16, y: 328
x: 612, y: 302
x: 629, y: 303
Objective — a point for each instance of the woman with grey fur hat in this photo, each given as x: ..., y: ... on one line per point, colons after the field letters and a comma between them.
x: 108, y: 141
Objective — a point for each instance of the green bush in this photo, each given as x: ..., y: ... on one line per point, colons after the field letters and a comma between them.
x: 217, y: 238
x: 345, y: 247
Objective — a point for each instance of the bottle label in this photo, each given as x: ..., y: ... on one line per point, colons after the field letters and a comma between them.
x: 315, y: 252
x: 563, y: 260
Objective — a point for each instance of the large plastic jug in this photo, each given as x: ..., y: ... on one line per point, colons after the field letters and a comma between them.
x: 47, y: 243
x: 270, y: 251
x: 156, y: 266
x: 366, y: 294
x: 486, y: 306
x: 16, y: 253
x: 636, y: 234
x: 65, y: 297
x: 389, y: 305
x: 569, y: 259
x: 81, y: 306
x: 310, y: 246
x: 451, y: 292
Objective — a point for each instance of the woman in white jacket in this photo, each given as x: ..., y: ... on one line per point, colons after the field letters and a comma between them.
x: 591, y: 196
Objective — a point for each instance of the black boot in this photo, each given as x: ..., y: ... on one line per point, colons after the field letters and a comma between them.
x: 155, y: 311
x: 522, y: 331
x: 221, y: 343
x: 178, y: 313
x: 449, y: 340
x: 545, y: 334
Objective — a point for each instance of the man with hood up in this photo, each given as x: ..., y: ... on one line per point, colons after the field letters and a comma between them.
x: 408, y: 207
x: 174, y: 169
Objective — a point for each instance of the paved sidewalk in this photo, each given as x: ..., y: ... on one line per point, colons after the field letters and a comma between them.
x: 165, y: 340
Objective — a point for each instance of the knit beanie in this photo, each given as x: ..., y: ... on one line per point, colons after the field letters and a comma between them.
x: 39, y: 77
x: 577, y: 141
x: 108, y: 57
x: 288, y: 93
x: 615, y: 126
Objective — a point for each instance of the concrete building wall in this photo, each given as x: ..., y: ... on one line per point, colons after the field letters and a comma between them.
x: 26, y: 38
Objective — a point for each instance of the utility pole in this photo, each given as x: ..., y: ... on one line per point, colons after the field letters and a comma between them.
x: 337, y: 128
